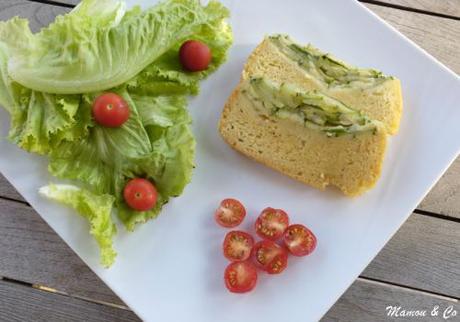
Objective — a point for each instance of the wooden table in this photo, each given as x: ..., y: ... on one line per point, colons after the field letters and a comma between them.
x: 43, y: 280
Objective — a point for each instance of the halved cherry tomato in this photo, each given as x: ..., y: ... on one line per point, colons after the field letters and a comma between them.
x: 271, y: 223
x: 195, y: 56
x: 110, y: 110
x: 230, y: 213
x: 299, y: 240
x: 240, y: 277
x: 140, y: 194
x: 270, y: 256
x: 238, y: 245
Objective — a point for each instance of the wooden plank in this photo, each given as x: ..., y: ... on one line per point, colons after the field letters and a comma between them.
x: 446, y: 7
x: 444, y: 198
x: 438, y: 36
x: 31, y: 251
x: 424, y: 254
x: 24, y: 303
x: 367, y: 301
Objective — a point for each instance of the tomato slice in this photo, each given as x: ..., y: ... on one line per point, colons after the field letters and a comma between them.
x: 270, y: 256
x: 110, y: 110
x: 140, y: 194
x: 195, y: 56
x: 299, y: 240
x: 271, y: 223
x: 240, y: 277
x: 230, y: 213
x: 238, y: 245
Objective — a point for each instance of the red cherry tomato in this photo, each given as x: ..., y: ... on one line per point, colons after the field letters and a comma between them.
x: 271, y: 223
x: 299, y: 240
x: 238, y: 246
x: 195, y: 56
x: 230, y: 213
x: 270, y: 256
x: 110, y: 110
x: 240, y: 277
x: 140, y: 194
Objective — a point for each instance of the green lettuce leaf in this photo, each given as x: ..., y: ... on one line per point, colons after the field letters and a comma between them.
x: 39, y: 120
x: 166, y: 75
x: 99, y: 159
x: 43, y: 120
x: 98, y: 46
x: 168, y: 125
x: 103, y: 13
x: 96, y: 209
x: 155, y: 143
x: 8, y: 93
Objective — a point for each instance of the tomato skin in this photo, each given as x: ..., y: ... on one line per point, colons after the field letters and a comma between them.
x: 299, y: 240
x: 240, y: 277
x: 110, y: 110
x: 270, y: 257
x: 271, y: 223
x: 195, y: 56
x: 140, y: 194
x: 237, y: 245
x: 230, y: 213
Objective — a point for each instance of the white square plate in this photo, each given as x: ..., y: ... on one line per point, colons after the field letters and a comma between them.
x: 171, y: 268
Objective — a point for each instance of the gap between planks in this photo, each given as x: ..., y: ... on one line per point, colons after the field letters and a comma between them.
x: 435, y: 215
x: 56, y: 3
x: 44, y: 288
x: 406, y: 8
x: 408, y: 289
x: 449, y: 7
